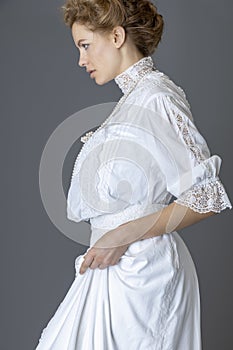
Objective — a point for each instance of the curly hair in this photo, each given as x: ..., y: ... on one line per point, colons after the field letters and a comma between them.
x: 139, y: 18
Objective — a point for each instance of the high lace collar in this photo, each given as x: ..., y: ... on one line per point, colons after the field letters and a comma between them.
x: 134, y: 73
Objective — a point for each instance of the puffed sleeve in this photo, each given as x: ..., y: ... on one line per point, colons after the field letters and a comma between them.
x: 191, y: 172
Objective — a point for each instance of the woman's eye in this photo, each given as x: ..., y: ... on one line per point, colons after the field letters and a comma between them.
x: 85, y: 46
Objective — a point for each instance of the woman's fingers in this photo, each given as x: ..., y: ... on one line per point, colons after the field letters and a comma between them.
x: 86, y: 263
x: 101, y: 258
x: 102, y: 267
x: 95, y: 263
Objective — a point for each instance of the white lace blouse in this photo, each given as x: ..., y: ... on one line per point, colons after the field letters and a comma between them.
x: 149, y: 151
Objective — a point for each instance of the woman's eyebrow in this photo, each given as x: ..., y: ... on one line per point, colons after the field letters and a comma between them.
x: 80, y: 41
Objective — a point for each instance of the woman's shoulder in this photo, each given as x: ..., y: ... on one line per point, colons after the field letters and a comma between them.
x: 158, y: 83
x: 156, y: 86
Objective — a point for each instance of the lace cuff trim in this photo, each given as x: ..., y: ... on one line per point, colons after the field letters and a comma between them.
x: 206, y: 197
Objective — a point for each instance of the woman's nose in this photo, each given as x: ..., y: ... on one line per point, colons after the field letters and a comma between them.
x: 82, y: 61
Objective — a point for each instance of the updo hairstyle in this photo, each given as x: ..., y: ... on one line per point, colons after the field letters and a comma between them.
x: 139, y: 18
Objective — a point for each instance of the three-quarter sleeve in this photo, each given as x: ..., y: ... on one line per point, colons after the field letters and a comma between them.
x: 191, y: 172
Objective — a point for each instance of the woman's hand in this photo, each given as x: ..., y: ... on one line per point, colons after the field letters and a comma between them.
x: 102, y: 257
x: 108, y: 249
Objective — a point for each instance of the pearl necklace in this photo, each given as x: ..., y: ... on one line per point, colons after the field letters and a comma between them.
x: 90, y: 134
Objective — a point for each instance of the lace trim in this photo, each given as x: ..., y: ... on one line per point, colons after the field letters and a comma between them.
x: 130, y: 76
x: 205, y: 197
x: 193, y: 147
x: 132, y: 212
x: 188, y: 139
x: 182, y: 125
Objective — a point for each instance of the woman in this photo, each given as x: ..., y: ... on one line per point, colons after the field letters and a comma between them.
x: 136, y: 286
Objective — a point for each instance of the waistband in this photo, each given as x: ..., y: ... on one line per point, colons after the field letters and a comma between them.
x: 104, y: 223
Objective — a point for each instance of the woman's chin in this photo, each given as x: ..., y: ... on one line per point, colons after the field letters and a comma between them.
x: 100, y: 81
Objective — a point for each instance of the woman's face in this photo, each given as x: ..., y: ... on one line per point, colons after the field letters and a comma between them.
x: 98, y: 53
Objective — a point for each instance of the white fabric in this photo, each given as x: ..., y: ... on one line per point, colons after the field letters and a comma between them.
x: 149, y: 151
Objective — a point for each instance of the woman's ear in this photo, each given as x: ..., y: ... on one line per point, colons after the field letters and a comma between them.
x: 118, y: 34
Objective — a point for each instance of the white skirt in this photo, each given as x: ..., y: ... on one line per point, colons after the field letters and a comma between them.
x: 148, y: 301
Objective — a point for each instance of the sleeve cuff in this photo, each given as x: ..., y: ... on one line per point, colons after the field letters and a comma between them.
x: 205, y: 197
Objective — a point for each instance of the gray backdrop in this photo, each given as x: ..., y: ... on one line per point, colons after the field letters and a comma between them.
x: 41, y: 87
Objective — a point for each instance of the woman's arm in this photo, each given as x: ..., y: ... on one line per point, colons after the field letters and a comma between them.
x: 113, y: 244
x: 172, y: 217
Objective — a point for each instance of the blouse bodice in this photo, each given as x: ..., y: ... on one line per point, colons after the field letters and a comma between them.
x: 149, y: 151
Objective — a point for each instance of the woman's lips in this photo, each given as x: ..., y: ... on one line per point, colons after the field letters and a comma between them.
x: 92, y: 72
